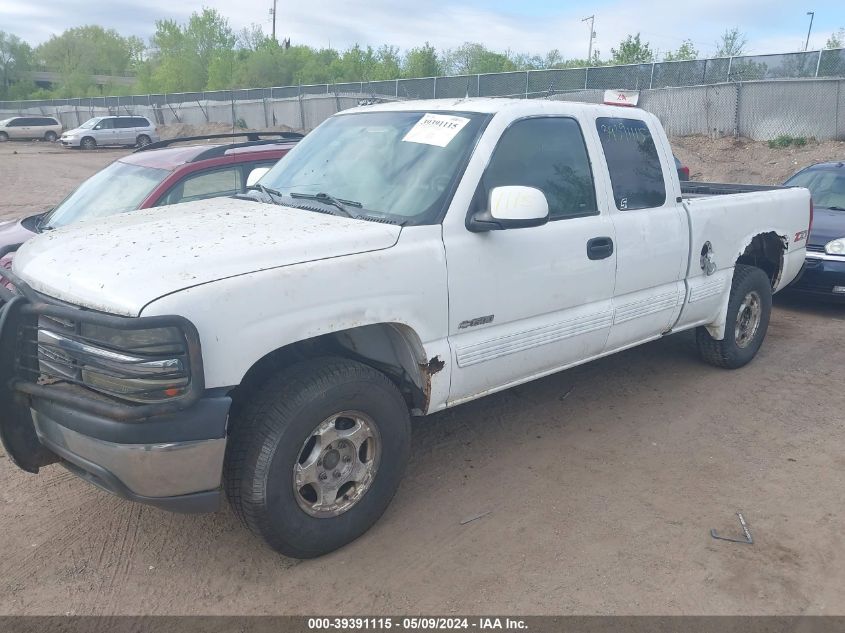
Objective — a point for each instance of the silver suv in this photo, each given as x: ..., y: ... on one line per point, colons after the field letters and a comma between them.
x: 112, y: 130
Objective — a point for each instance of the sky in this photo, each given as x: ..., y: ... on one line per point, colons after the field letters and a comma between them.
x: 529, y: 26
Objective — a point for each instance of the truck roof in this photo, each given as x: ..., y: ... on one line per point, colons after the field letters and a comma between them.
x: 494, y: 105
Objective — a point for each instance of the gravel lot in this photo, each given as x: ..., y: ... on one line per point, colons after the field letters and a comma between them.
x: 601, y: 484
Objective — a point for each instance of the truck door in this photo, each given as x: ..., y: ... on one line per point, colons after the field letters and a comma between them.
x: 529, y: 301
x: 652, y: 234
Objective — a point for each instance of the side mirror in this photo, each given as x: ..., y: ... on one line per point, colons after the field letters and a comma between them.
x: 512, y: 207
x: 255, y: 175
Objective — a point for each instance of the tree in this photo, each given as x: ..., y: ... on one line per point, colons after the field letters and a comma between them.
x: 15, y: 60
x: 686, y: 52
x: 472, y: 58
x: 731, y: 44
x: 422, y: 62
x: 836, y: 40
x: 184, y: 56
x: 632, y: 51
x: 90, y: 50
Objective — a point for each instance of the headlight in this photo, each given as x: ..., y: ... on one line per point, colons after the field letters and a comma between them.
x: 836, y: 247
x: 143, y: 366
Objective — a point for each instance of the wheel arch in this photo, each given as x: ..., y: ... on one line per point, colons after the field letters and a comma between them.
x: 765, y: 250
x: 395, y: 349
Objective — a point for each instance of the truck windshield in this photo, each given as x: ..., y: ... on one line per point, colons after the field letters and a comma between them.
x: 117, y: 188
x: 401, y: 165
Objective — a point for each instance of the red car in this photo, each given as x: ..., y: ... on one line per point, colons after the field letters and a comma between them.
x: 158, y: 175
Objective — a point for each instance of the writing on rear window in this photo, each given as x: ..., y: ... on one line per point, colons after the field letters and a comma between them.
x: 636, y: 174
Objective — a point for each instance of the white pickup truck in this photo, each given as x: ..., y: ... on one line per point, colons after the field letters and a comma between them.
x: 402, y: 259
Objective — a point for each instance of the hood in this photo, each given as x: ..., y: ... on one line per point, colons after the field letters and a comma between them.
x: 121, y: 263
x: 16, y: 231
x: 828, y: 225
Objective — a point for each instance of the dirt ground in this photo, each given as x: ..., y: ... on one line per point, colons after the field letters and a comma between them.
x: 745, y: 161
x: 601, y: 483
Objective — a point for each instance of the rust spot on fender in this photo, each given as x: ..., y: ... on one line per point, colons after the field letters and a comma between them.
x: 435, y: 365
x: 427, y: 370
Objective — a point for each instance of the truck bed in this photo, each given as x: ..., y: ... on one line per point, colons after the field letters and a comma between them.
x: 693, y: 189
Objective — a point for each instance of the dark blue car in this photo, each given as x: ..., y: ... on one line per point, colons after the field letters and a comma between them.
x: 824, y: 272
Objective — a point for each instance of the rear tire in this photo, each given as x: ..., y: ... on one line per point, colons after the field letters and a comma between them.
x: 143, y: 140
x: 88, y: 143
x: 335, y: 422
x: 51, y: 136
x: 749, y: 310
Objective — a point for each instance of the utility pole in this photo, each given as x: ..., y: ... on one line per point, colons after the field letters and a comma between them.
x: 273, y: 13
x: 812, y: 14
x: 592, y: 20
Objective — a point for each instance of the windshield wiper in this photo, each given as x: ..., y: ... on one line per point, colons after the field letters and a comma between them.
x: 41, y: 225
x: 271, y: 194
x: 327, y: 199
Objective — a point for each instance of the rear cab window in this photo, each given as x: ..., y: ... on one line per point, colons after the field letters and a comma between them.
x: 636, y: 173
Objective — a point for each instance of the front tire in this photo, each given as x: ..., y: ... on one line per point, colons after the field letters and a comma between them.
x: 316, y: 455
x: 749, y: 311
x: 3, y: 137
x: 88, y: 143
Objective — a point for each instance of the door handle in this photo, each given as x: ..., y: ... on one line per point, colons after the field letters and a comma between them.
x: 600, y: 248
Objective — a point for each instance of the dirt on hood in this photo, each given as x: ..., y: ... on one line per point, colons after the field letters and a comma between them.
x: 742, y: 160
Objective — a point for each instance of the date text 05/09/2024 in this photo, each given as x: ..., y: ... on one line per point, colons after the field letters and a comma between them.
x: 416, y: 623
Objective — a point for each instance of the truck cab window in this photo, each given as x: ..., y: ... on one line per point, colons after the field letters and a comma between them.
x: 547, y: 153
x: 635, y: 170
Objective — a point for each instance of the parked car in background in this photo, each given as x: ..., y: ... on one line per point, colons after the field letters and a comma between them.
x: 824, y: 270
x: 130, y: 131
x: 160, y: 174
x: 30, y: 127
x: 683, y: 170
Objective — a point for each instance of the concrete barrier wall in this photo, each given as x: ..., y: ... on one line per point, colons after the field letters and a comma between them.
x: 761, y: 110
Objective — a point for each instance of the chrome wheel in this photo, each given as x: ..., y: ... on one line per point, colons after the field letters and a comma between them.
x: 337, y: 464
x: 748, y: 319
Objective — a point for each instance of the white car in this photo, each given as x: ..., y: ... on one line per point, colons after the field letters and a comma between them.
x: 30, y: 127
x: 401, y: 259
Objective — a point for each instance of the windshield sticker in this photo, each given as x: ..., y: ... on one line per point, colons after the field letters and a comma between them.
x: 436, y: 129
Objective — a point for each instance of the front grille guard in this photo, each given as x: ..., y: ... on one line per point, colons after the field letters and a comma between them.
x: 19, y: 311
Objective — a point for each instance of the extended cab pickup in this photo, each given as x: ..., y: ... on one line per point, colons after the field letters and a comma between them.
x: 402, y: 259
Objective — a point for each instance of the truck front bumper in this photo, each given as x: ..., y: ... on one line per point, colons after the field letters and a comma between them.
x: 174, y: 462
x: 168, y: 454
